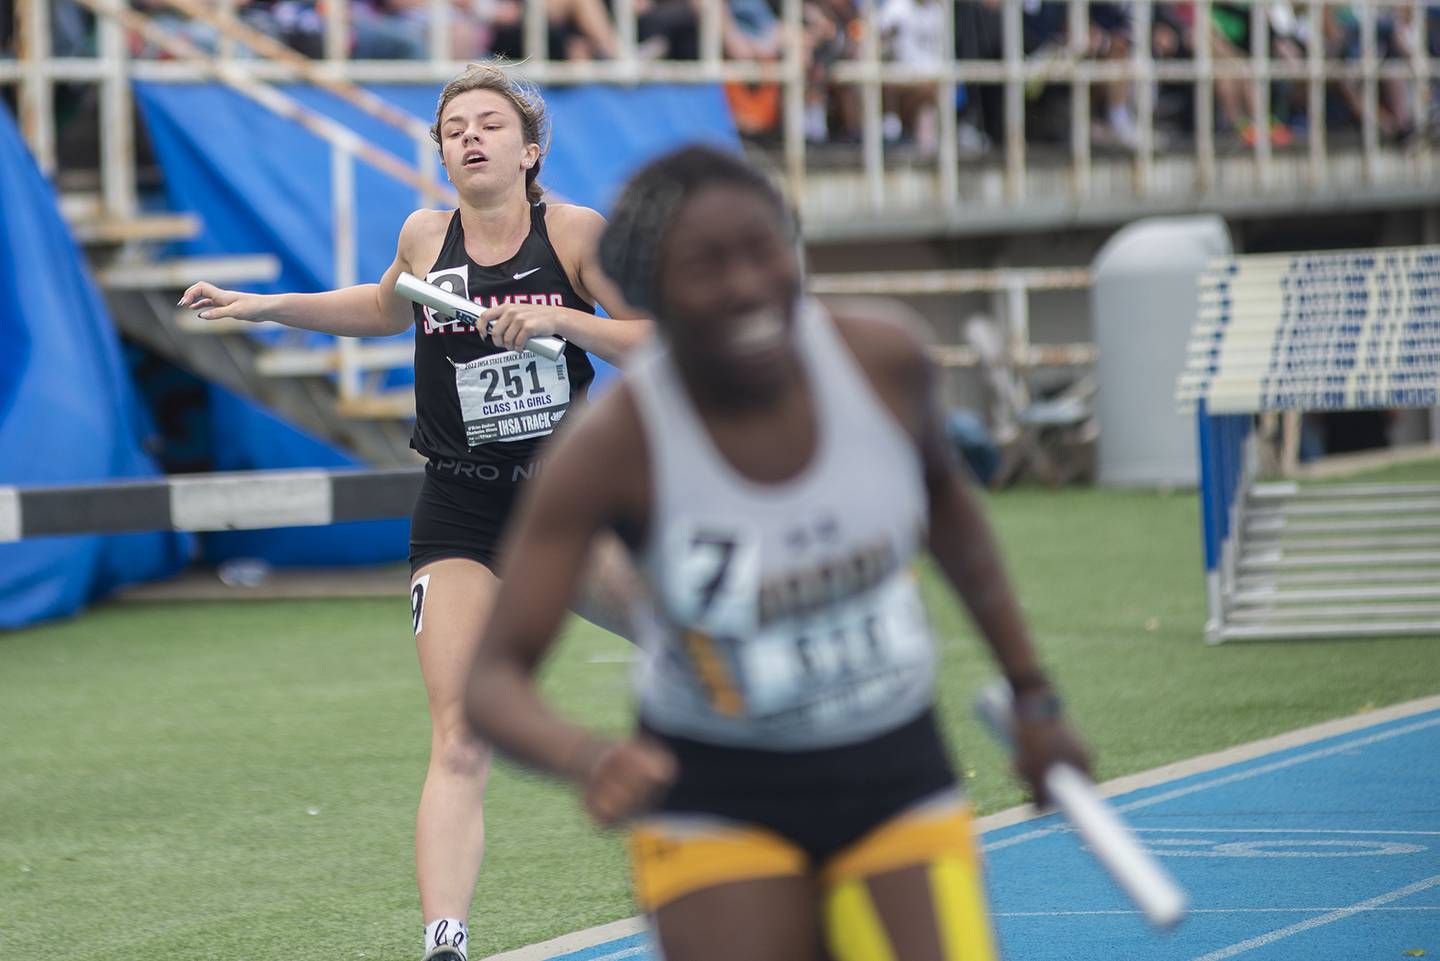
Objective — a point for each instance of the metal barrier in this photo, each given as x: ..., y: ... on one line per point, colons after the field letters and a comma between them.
x: 1314, y: 332
x: 245, y: 500
x: 1012, y: 286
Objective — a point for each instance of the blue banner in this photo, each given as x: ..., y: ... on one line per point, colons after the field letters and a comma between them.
x: 68, y: 411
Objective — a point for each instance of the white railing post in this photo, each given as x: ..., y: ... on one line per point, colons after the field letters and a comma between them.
x: 37, y: 89
x: 1420, y: 68
x: 1078, y: 37
x: 342, y: 203
x: 711, y: 24
x: 947, y: 128
x: 225, y: 44
x: 1144, y: 97
x: 872, y: 111
x: 536, y: 26
x: 117, y: 133
x: 1013, y: 43
x: 337, y: 31
x: 1204, y: 100
x: 1315, y: 96
x: 1017, y: 317
x: 1260, y: 86
x: 441, y: 49
x: 626, y: 30
x: 1369, y: 91
x: 794, y: 96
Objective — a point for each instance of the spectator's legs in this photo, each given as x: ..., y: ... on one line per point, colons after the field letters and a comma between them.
x: 1118, y: 95
x: 1342, y: 42
x: 69, y: 30
x: 914, y: 106
x: 817, y: 122
x: 672, y: 28
x: 1233, y: 95
x: 388, y: 36
x: 1292, y: 95
x: 592, y: 23
x: 1397, y: 117
x: 846, y: 98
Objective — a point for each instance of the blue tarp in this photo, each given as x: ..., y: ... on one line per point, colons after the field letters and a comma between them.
x: 245, y: 436
x: 261, y: 183
x: 68, y: 411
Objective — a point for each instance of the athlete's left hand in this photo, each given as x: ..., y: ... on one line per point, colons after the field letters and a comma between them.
x: 1040, y: 744
x: 511, y: 325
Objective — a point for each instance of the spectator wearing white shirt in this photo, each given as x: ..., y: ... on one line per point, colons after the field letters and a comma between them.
x: 912, y: 32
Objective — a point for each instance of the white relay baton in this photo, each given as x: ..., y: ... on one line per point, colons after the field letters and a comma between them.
x: 1148, y: 884
x: 463, y: 311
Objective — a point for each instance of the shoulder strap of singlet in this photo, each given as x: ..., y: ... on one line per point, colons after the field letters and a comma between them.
x: 826, y: 355
x: 454, y: 235
x: 653, y: 380
x: 456, y: 230
x: 542, y: 229
x: 842, y: 387
x: 539, y: 227
x: 672, y: 428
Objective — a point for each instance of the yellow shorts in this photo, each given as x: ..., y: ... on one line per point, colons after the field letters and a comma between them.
x: 674, y: 856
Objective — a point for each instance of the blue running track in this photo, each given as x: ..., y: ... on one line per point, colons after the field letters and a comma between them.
x: 1325, y: 852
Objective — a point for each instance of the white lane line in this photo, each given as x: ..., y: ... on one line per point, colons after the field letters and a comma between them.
x: 634, y: 952
x: 1135, y: 913
x: 1249, y: 751
x: 1235, y: 778
x: 1339, y: 914
x: 1277, y: 831
x: 576, y: 941
x: 1238, y: 776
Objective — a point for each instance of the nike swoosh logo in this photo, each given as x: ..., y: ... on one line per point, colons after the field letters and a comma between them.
x: 526, y: 273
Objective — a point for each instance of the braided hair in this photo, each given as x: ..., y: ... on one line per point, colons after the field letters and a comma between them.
x: 640, y: 221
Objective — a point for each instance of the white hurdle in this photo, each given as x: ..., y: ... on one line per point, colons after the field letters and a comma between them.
x: 1351, y: 330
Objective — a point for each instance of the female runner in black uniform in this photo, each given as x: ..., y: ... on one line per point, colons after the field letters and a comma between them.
x: 484, y: 407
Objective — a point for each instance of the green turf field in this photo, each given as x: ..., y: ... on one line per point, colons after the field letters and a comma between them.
x: 238, y: 780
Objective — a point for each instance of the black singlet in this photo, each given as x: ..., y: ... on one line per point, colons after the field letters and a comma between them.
x: 512, y: 400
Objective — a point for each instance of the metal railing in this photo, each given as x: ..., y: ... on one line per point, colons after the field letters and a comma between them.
x: 117, y: 137
x: 1011, y: 289
x: 1199, y: 172
x: 894, y: 190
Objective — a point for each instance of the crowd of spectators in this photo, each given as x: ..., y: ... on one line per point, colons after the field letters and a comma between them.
x: 911, y: 32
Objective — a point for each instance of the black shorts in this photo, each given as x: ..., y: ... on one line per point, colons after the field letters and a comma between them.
x: 459, y: 518
x: 821, y: 800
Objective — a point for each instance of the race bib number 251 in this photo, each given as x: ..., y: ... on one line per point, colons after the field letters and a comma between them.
x: 511, y: 396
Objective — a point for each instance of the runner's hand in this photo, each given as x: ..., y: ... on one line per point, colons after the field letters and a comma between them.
x: 1043, y: 743
x: 624, y: 779
x: 214, y: 302
x: 511, y: 325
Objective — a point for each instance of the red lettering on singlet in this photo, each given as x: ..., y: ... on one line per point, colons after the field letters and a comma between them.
x: 435, y: 325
